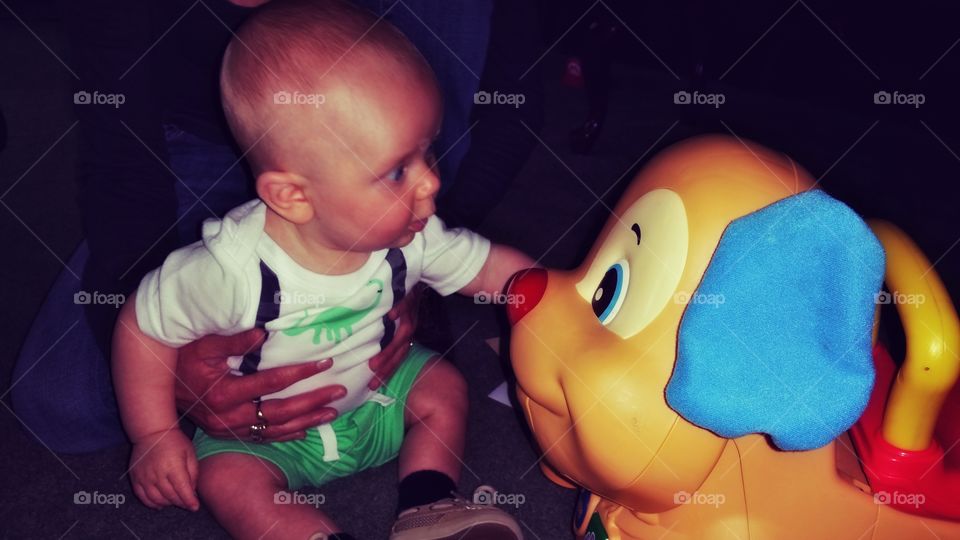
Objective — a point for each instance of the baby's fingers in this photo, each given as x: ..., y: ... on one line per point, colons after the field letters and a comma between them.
x: 142, y: 495
x: 183, y: 483
x: 193, y: 469
x: 169, y: 492
x: 154, y: 495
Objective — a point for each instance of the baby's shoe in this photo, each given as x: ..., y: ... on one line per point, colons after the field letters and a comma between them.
x: 456, y: 518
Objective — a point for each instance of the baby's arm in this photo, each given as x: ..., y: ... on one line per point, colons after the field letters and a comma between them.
x: 501, y: 264
x: 163, y: 465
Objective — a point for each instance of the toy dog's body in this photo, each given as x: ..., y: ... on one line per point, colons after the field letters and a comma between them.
x: 595, y: 349
x: 778, y: 504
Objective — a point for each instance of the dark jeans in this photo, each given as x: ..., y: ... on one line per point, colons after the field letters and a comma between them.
x: 61, y: 388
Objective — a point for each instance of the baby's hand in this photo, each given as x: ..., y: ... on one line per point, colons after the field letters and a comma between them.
x: 163, y: 469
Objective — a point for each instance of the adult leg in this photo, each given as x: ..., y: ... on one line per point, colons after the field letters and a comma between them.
x: 61, y: 389
x: 211, y: 179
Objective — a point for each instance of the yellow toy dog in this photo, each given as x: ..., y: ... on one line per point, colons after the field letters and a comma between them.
x: 663, y: 376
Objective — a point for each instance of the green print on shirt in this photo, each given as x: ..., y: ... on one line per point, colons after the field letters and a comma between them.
x: 335, y: 320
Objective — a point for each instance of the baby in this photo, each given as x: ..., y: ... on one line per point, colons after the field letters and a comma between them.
x: 336, y: 112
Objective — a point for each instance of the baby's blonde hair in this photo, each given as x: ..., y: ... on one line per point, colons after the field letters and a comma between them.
x: 304, y: 46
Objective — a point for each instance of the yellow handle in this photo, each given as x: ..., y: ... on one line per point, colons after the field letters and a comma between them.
x: 932, y: 330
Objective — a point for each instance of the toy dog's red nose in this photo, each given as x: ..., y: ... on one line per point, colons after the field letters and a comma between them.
x: 524, y: 291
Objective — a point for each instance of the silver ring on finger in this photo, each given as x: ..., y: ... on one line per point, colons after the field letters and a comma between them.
x: 256, y: 432
x: 261, y: 418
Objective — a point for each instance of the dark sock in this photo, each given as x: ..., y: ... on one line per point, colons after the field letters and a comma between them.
x: 424, y: 487
x: 340, y: 536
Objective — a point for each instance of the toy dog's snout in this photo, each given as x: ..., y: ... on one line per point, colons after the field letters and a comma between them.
x: 526, y: 287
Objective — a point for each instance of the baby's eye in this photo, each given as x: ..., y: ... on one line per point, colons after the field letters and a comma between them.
x: 397, y: 174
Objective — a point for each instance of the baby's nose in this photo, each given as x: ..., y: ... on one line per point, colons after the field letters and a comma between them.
x: 528, y: 287
x: 429, y: 185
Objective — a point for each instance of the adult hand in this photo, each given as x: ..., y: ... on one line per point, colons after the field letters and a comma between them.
x: 388, y: 360
x: 223, y: 404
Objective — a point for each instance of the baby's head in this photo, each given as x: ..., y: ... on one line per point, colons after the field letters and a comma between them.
x: 335, y: 111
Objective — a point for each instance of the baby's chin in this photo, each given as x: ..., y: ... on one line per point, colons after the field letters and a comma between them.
x: 404, y: 239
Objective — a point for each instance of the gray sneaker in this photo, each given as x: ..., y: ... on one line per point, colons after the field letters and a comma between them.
x: 455, y: 518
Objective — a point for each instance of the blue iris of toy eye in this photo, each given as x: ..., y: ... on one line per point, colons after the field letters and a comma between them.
x: 608, y: 298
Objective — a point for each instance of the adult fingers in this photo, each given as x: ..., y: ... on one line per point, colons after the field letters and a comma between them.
x: 237, y: 390
x: 299, y: 425
x: 295, y: 436
x: 308, y: 407
x: 216, y: 346
x: 388, y: 360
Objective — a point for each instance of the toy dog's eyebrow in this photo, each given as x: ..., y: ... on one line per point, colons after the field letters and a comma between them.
x: 636, y: 229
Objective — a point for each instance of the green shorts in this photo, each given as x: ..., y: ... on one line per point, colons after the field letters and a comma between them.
x: 367, y: 436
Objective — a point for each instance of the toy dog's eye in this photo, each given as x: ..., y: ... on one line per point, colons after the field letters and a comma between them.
x: 609, y: 295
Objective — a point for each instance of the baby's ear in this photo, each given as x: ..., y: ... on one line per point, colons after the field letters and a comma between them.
x: 284, y: 193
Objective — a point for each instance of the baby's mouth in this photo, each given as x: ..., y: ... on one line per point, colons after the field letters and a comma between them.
x: 417, y: 225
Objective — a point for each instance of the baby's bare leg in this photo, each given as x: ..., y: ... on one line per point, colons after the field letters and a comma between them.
x: 436, y: 418
x: 239, y: 489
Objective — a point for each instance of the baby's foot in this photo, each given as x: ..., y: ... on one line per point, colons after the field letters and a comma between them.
x: 455, y: 518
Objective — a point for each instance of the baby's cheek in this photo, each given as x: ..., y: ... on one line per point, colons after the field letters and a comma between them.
x: 393, y: 218
x: 389, y: 223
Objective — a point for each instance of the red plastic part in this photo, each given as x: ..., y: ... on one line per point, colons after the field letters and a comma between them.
x: 918, y: 482
x: 528, y: 287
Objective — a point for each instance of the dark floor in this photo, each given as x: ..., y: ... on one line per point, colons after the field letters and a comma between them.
x: 899, y: 164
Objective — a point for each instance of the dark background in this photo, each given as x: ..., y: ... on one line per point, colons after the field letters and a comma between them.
x: 799, y: 77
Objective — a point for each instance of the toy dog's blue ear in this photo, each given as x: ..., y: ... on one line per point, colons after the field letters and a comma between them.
x: 783, y: 348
